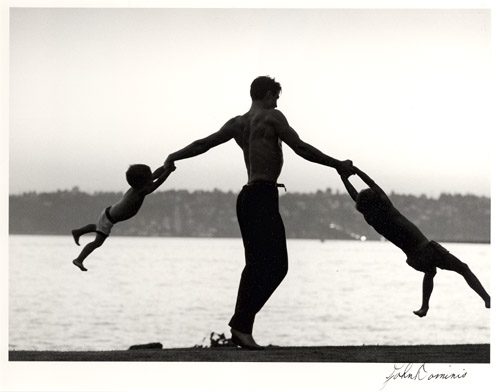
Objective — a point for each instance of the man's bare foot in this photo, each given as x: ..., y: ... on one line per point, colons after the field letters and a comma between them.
x: 79, y: 264
x: 421, y: 312
x: 244, y: 340
x: 76, y: 237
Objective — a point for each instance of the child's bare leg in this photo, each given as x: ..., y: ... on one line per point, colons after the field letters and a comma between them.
x: 427, y: 287
x: 476, y: 285
x: 81, y: 231
x: 88, y: 249
x: 79, y: 264
x: 454, y: 264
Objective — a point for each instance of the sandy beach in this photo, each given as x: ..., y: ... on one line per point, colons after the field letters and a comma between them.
x: 466, y: 353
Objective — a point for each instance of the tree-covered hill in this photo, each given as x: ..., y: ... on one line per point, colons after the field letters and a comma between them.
x: 178, y: 213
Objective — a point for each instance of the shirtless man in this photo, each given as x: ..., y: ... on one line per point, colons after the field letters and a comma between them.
x: 259, y: 133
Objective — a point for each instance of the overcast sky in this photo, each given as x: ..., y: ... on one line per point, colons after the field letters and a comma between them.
x: 405, y: 94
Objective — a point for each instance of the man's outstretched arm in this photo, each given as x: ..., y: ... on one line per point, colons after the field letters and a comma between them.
x: 312, y: 154
x: 305, y: 150
x: 201, y: 146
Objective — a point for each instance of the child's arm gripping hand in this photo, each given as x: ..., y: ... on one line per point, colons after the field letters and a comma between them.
x: 158, y: 172
x: 368, y: 181
x: 164, y: 173
x: 350, y: 188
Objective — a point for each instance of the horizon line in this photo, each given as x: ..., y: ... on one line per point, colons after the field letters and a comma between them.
x: 77, y: 189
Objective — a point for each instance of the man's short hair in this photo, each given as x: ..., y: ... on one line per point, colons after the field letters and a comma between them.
x: 263, y: 84
x: 138, y: 175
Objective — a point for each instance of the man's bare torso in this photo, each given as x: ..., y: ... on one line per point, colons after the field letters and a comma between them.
x: 256, y: 134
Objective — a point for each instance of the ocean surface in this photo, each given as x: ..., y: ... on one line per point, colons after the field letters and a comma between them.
x: 177, y: 291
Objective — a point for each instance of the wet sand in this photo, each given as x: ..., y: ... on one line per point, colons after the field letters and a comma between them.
x: 466, y: 353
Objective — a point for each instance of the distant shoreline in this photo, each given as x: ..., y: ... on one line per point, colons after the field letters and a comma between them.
x: 321, y: 216
x: 460, y: 353
x: 313, y: 239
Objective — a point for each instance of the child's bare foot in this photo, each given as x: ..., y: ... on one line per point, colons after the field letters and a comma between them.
x: 76, y: 237
x: 79, y: 264
x: 422, y: 312
x: 244, y: 340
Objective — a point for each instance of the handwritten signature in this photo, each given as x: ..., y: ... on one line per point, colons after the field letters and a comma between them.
x: 410, y: 371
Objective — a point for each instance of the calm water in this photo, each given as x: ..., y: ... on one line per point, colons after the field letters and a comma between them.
x: 178, y: 290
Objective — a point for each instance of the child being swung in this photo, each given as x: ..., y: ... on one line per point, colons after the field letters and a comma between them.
x: 422, y: 254
x: 142, y: 183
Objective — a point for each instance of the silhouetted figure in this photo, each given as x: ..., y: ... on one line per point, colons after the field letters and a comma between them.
x: 422, y: 254
x: 259, y: 133
x: 142, y: 183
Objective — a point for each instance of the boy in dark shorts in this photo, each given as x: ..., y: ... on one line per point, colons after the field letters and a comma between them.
x: 422, y: 254
x: 142, y: 183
